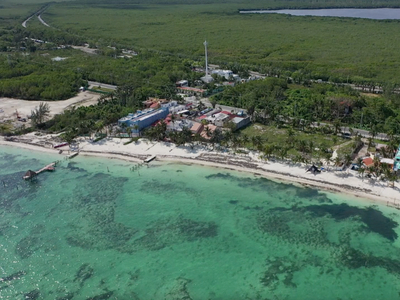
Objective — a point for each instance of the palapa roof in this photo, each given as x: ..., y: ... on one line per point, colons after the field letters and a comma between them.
x: 30, y: 173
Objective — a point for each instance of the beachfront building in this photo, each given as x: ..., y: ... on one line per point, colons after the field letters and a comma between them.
x: 240, y: 122
x: 197, y: 128
x: 218, y: 119
x: 396, y: 163
x: 143, y: 118
x: 179, y: 125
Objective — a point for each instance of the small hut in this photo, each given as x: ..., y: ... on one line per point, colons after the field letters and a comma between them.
x: 29, y: 175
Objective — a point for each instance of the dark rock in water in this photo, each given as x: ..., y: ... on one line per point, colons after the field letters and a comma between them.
x: 27, y: 246
x: 84, y: 273
x: 103, y: 296
x: 69, y: 296
x: 233, y: 201
x: 279, y: 268
x: 193, y: 229
x: 313, y: 194
x: 168, y: 189
x: 354, y: 259
x: 38, y: 229
x: 71, y: 166
x: 179, y: 291
x: 14, y: 276
x: 13, y: 188
x: 4, y: 227
x: 175, y: 230
x: 253, y: 208
x: 32, y: 295
x: 375, y: 220
x: 220, y: 176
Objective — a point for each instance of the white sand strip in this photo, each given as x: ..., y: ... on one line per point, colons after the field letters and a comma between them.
x: 341, y: 182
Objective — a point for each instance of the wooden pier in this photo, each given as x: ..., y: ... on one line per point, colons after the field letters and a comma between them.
x: 31, y: 174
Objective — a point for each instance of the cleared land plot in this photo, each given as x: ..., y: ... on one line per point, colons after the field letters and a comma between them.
x: 8, y: 107
x: 273, y: 135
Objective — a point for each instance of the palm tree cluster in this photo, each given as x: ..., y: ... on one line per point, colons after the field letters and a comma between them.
x: 379, y: 170
x: 39, y: 114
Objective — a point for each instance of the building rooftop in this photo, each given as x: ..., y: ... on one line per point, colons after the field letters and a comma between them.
x: 186, y: 88
x: 368, y: 161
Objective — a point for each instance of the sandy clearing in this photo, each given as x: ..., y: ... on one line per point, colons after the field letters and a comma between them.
x: 8, y: 106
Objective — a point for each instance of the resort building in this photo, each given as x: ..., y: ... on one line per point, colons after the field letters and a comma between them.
x: 197, y: 128
x: 143, y: 119
x: 178, y: 125
x: 396, y: 164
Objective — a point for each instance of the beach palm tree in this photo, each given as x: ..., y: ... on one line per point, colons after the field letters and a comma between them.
x: 347, y: 159
x: 245, y: 139
x: 268, y: 150
x: 136, y: 128
x: 392, y: 177
x: 338, y: 161
x: 283, y: 151
x: 337, y: 125
x: 257, y: 142
x: 129, y: 131
x: 39, y: 114
x: 208, y: 132
x: 361, y: 171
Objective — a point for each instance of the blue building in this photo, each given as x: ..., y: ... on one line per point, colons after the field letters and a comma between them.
x: 143, y: 119
x: 396, y: 164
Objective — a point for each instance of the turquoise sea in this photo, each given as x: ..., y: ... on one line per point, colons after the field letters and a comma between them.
x: 95, y: 229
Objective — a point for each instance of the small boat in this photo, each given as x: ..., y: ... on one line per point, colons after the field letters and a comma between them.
x: 149, y: 159
x: 60, y: 145
x: 72, y: 155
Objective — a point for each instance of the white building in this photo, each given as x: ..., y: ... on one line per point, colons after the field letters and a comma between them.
x: 218, y: 119
x: 227, y: 74
x: 178, y: 125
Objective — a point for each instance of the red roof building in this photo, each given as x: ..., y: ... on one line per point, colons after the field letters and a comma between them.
x: 368, y: 162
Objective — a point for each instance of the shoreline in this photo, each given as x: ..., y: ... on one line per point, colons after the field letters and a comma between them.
x: 288, y: 173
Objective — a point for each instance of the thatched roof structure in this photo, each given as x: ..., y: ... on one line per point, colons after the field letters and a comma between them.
x: 29, y: 174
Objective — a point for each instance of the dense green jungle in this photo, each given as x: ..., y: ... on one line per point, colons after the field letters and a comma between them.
x: 168, y: 37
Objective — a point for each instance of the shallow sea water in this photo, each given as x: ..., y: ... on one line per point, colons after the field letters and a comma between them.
x: 94, y: 229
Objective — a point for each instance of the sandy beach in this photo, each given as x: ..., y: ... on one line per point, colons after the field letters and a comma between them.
x: 348, y: 182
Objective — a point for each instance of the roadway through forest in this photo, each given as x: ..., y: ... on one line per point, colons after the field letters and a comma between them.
x: 102, y: 85
x: 43, y: 22
x: 38, y: 14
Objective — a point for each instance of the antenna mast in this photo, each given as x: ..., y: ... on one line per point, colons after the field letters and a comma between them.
x: 205, y: 46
